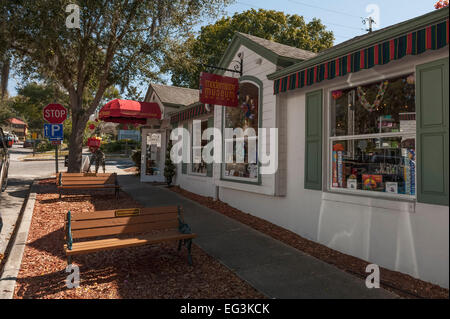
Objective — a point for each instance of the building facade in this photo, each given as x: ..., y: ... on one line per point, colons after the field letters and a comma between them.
x: 362, y: 144
x: 18, y: 127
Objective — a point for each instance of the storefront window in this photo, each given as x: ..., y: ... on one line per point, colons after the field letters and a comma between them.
x: 240, y: 149
x: 198, y: 164
x: 372, y: 138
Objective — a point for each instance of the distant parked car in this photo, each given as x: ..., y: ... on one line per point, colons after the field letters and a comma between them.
x: 29, y: 143
x: 4, y: 161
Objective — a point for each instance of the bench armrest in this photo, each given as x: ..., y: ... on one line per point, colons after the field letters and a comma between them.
x: 69, y: 231
x: 182, y: 226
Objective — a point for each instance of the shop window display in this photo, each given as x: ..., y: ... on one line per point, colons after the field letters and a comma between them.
x: 198, y: 164
x: 245, y: 116
x: 372, y: 137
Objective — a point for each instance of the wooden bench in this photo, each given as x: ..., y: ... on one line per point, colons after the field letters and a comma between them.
x: 87, y: 181
x: 151, y: 225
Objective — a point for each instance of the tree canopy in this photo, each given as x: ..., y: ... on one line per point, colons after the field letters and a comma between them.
x: 212, y: 41
x: 5, y: 112
x: 32, y: 98
x: 116, y: 42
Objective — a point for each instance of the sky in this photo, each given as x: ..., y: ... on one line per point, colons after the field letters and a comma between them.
x: 343, y: 17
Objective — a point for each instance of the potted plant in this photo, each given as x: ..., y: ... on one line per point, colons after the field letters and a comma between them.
x: 169, y: 169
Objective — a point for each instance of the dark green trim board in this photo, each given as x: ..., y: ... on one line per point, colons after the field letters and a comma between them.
x: 432, y: 107
x: 209, y: 167
x: 185, y: 138
x: 313, y: 140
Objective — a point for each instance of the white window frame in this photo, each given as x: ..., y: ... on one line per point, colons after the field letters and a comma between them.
x: 237, y: 178
x: 191, y: 129
x: 331, y: 139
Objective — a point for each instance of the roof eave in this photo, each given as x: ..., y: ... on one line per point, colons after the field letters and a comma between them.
x: 239, y: 40
x: 376, y: 37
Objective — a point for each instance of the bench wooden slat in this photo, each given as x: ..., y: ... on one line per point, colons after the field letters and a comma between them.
x: 126, y: 229
x: 160, y: 234
x: 98, y: 245
x: 83, y: 181
x: 111, y: 213
x: 148, y: 225
x: 87, y: 186
x: 118, y: 221
x: 86, y: 180
x: 67, y: 183
x: 64, y: 174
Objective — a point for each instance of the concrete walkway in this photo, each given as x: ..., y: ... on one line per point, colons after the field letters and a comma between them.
x: 272, y: 267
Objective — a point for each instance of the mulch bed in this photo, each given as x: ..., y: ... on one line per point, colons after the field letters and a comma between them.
x: 401, y: 284
x: 154, y: 271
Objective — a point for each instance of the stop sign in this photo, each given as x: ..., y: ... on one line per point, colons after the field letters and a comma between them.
x: 55, y: 113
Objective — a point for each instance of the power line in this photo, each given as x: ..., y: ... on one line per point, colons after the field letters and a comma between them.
x: 309, y: 17
x: 325, y: 9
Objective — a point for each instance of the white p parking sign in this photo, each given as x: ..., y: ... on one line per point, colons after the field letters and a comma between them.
x: 53, y: 131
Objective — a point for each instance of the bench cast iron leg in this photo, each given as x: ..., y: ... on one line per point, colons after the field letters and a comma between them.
x: 189, y: 244
x: 179, y: 245
x: 69, y: 260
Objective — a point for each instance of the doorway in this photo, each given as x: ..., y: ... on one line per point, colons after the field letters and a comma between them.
x: 153, y: 155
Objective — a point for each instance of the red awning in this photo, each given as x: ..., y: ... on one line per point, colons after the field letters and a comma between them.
x: 127, y: 111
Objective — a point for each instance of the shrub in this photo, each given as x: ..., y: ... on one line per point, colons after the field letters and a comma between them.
x: 44, y: 146
x: 136, y: 157
x: 119, y: 146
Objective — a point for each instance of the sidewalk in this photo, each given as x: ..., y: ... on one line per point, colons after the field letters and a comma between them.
x: 274, y: 268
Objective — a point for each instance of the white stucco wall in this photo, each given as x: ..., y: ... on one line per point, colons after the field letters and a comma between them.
x: 409, y: 237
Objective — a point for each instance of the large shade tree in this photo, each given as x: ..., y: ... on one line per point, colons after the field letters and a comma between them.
x: 117, y: 42
x: 185, y: 61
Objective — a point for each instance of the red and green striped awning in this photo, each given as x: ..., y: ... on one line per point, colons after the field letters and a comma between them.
x: 190, y: 113
x: 430, y: 38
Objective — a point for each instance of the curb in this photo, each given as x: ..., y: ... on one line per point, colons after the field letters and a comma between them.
x: 40, y: 160
x: 14, y: 260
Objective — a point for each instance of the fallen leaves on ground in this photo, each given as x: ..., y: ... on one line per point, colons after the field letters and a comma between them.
x: 153, y: 271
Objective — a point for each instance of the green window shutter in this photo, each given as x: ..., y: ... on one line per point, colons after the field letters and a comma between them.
x: 432, y: 132
x: 209, y: 167
x: 313, y: 140
x: 185, y: 143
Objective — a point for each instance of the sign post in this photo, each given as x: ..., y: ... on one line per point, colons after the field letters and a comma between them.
x: 55, y: 114
x: 34, y: 137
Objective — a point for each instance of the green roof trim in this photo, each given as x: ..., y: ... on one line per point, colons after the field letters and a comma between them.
x: 365, y: 41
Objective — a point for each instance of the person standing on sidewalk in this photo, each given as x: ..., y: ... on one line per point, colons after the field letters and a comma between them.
x: 97, y: 157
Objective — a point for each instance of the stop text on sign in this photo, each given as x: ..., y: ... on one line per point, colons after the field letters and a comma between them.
x: 55, y: 113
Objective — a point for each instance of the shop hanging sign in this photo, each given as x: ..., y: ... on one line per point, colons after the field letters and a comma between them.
x: 219, y: 90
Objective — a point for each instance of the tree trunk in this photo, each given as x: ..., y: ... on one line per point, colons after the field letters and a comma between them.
x: 76, y: 143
